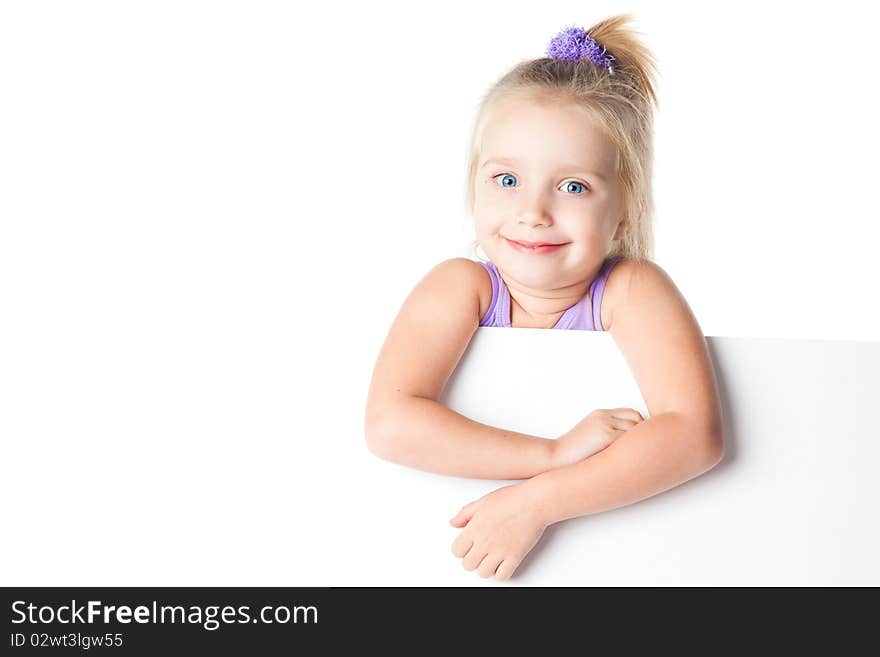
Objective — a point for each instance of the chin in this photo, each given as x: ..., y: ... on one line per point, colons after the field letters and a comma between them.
x: 532, y: 274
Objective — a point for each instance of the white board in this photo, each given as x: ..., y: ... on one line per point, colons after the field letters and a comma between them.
x: 793, y: 502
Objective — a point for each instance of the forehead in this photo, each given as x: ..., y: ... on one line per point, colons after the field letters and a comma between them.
x: 546, y: 132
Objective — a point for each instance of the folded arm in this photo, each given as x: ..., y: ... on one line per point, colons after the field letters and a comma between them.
x: 665, y: 348
x: 658, y: 454
x: 682, y: 437
x: 404, y: 422
x: 424, y: 434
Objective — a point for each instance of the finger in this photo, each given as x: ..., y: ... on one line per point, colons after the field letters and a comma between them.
x: 473, y: 558
x: 505, y: 569
x: 461, y: 545
x: 458, y: 520
x: 627, y: 414
x: 489, y: 565
x: 464, y: 515
x: 623, y: 425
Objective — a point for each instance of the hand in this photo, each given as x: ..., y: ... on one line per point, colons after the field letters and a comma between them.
x: 500, y: 530
x: 593, y: 434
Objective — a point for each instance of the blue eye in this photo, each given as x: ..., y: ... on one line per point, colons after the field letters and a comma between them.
x: 577, y: 190
x: 506, y: 175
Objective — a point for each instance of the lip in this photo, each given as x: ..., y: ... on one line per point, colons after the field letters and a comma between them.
x: 541, y: 248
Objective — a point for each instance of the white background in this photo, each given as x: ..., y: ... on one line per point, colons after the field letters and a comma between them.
x: 210, y: 213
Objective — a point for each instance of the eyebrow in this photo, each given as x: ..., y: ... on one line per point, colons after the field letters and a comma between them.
x: 568, y: 167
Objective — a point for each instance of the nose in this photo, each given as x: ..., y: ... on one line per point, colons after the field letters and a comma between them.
x: 533, y: 212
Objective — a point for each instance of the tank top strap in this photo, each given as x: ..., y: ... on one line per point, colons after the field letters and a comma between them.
x: 597, y: 289
x: 498, y: 313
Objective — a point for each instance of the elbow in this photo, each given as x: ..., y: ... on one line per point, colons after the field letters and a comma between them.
x: 706, y: 442
x: 376, y: 443
x: 387, y: 428
x: 715, y: 449
x: 377, y: 438
x: 716, y: 455
x: 373, y: 438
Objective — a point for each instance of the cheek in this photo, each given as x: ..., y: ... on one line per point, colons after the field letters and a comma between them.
x: 592, y: 239
x: 488, y: 217
x: 487, y: 227
x: 584, y: 226
x: 485, y: 203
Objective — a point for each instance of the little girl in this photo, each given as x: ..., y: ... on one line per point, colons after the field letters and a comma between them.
x: 559, y: 185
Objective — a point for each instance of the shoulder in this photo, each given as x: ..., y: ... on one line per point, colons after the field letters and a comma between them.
x: 427, y: 338
x: 663, y: 344
x: 645, y: 275
x: 638, y: 291
x: 469, y: 276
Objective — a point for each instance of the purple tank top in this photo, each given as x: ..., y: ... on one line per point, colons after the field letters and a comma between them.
x: 577, y: 317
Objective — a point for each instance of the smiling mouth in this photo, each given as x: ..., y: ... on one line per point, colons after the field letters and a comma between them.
x: 539, y: 248
x: 533, y: 245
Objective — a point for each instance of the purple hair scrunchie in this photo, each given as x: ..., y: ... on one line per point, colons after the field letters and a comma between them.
x: 573, y: 44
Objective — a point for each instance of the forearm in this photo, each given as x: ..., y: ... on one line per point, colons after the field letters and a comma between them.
x: 424, y: 434
x: 656, y: 455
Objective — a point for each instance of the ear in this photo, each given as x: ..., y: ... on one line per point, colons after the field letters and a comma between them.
x: 621, y: 230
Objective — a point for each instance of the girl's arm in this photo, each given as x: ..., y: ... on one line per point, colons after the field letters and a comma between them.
x: 658, y: 454
x: 666, y: 350
x: 426, y: 435
x: 405, y: 423
x: 667, y: 353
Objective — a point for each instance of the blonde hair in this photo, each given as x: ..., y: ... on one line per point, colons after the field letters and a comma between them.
x: 620, y: 103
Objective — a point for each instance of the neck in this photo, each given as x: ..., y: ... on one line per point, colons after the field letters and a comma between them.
x: 531, y: 307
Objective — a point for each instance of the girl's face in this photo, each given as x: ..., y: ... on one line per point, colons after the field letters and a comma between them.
x: 546, y: 174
